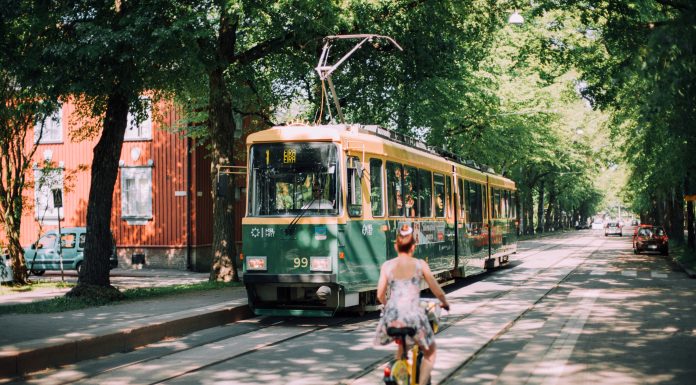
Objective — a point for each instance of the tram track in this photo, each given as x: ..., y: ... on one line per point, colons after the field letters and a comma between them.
x: 452, y: 320
x: 268, y: 326
x: 478, y: 352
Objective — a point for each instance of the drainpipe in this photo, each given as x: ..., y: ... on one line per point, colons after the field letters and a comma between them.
x: 190, y: 196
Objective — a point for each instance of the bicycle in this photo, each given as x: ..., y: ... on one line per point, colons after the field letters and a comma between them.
x: 403, y: 371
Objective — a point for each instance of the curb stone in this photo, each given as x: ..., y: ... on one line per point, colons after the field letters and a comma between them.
x: 34, y: 355
x: 688, y: 271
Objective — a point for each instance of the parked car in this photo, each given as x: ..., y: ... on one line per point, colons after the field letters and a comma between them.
x: 650, y: 238
x: 582, y: 226
x: 598, y: 224
x: 613, y: 228
x: 44, y: 255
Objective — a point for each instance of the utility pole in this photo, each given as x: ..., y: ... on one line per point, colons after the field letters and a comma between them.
x: 58, y: 204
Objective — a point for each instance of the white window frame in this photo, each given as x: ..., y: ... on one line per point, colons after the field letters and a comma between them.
x: 50, y: 129
x: 44, y: 210
x: 142, y: 131
x: 136, y: 197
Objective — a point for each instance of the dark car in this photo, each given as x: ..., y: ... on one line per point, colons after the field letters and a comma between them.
x: 650, y: 238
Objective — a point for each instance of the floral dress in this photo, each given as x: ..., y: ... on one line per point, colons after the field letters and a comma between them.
x: 403, y: 309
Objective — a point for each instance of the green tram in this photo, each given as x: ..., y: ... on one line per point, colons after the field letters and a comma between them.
x: 324, y: 203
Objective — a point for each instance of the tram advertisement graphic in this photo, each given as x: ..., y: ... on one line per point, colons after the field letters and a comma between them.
x: 427, y: 232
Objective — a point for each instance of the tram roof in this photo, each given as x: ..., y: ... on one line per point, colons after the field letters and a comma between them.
x: 337, y: 132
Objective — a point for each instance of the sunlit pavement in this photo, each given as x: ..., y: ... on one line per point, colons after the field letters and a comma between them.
x: 619, y: 318
x: 577, y: 308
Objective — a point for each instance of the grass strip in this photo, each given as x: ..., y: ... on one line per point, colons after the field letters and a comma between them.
x: 685, y: 256
x: 61, y: 304
x: 10, y: 289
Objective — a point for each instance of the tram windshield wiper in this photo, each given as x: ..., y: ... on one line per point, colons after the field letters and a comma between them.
x: 293, y: 224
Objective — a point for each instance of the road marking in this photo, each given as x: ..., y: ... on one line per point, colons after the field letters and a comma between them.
x: 629, y: 273
x: 655, y: 274
x: 598, y: 272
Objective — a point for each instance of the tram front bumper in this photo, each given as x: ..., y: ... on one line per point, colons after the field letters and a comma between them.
x: 288, y: 278
x: 293, y: 294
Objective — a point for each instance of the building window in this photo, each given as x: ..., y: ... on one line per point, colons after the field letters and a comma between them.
x: 46, y: 180
x: 50, y: 130
x: 136, y: 192
x: 142, y: 130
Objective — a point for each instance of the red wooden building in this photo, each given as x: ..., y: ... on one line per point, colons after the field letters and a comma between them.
x: 162, y: 199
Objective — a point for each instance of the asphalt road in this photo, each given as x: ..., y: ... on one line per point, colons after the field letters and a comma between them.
x: 575, y: 309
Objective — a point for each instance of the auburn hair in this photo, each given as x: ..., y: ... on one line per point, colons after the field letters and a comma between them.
x: 405, y: 239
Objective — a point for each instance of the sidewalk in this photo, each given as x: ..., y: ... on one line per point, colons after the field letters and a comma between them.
x: 31, y: 342
x: 121, y: 278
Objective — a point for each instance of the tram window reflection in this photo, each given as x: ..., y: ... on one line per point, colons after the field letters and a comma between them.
x: 376, y: 194
x: 439, y: 195
x: 282, y: 177
x: 425, y: 187
x: 411, y: 191
x: 395, y: 189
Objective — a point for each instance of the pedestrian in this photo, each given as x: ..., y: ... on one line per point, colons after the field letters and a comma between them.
x: 402, y: 276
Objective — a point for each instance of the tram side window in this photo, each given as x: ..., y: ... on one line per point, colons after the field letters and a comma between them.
x: 448, y: 197
x: 395, y: 195
x: 513, y: 205
x: 411, y: 191
x: 496, y: 203
x: 484, y: 200
x: 439, y: 185
x: 506, y: 203
x: 462, y: 199
x: 474, y: 202
x: 354, y: 187
x: 376, y: 194
x: 425, y: 185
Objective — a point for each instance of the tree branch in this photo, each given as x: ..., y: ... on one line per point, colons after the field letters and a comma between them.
x: 676, y: 5
x: 263, y: 49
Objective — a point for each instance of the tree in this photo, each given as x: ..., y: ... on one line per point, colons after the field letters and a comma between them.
x: 109, y: 55
x: 638, y: 61
x: 260, y: 59
x: 25, y: 99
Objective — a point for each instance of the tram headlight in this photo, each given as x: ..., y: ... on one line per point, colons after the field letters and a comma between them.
x: 319, y: 264
x: 256, y: 263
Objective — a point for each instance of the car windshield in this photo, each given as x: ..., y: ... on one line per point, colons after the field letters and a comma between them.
x: 287, y: 179
x: 646, y: 232
x: 613, y: 225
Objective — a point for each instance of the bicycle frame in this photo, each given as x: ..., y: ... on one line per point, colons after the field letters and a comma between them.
x: 393, y: 375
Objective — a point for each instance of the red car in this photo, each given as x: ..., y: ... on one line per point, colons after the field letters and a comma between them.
x: 650, y: 238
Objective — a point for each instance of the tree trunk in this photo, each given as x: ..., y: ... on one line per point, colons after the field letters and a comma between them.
x: 224, y: 266
x: 529, y: 213
x: 11, y: 203
x: 20, y: 274
x: 540, y: 208
x: 94, y: 276
x: 677, y: 216
x: 548, y: 221
x: 691, y: 237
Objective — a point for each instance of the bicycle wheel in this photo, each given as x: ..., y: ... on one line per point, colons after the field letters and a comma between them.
x: 399, y: 372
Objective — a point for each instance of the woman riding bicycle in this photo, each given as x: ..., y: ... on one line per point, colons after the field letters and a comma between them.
x: 402, y: 276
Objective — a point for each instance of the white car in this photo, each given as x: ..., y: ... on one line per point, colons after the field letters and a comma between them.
x: 598, y: 224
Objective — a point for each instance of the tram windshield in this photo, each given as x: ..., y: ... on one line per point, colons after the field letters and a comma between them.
x: 291, y: 178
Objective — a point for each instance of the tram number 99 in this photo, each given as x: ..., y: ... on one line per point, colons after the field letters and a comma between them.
x: 300, y: 262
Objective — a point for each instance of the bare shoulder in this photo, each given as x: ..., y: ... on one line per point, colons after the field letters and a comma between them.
x: 424, y: 266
